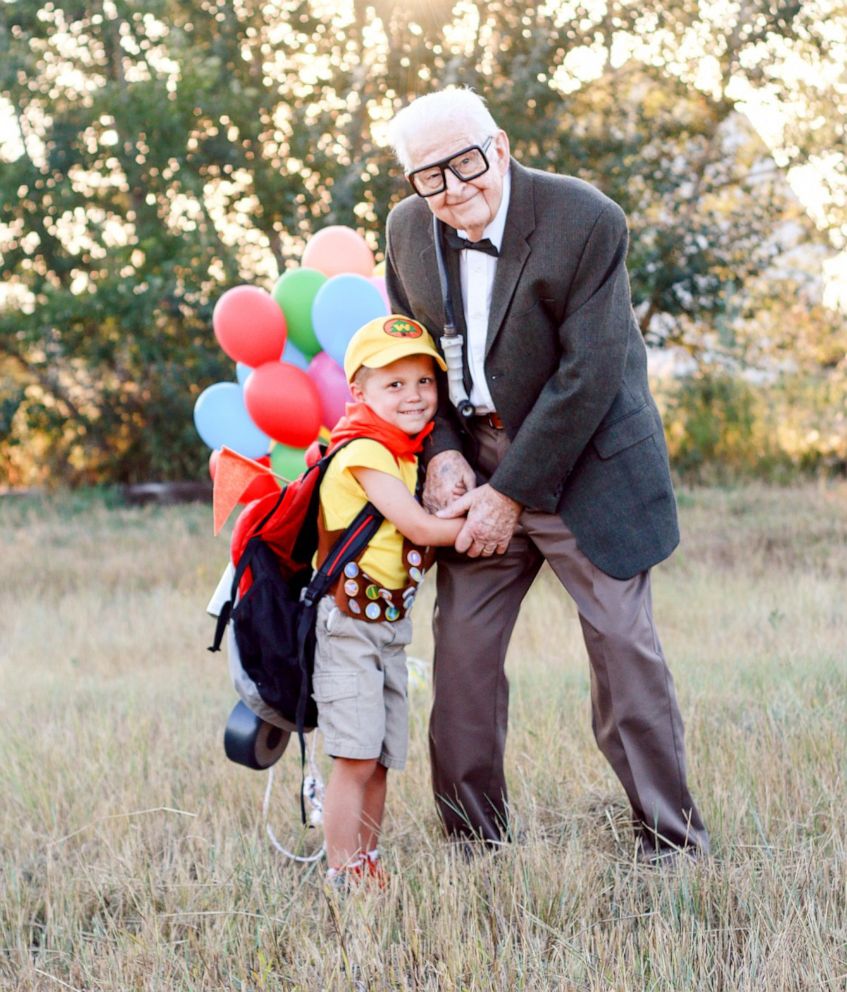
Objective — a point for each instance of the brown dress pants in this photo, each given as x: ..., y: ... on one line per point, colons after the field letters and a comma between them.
x: 635, y: 716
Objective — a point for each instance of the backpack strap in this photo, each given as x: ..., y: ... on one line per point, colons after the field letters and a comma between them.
x: 226, y: 610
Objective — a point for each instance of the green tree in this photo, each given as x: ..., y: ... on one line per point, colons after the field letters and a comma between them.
x: 163, y: 152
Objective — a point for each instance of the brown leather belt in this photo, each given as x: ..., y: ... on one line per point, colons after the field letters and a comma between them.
x: 492, y: 419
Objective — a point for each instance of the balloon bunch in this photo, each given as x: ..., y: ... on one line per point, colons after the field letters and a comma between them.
x: 289, y: 346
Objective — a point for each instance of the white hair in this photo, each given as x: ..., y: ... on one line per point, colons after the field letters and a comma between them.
x: 447, y: 108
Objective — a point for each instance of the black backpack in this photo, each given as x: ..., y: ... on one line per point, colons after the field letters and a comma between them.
x: 274, y: 620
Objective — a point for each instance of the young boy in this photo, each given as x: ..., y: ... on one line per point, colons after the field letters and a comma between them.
x: 363, y: 625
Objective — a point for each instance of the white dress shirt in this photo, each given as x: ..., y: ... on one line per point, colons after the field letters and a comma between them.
x: 477, y: 273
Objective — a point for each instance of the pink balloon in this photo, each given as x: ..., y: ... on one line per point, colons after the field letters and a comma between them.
x: 284, y: 403
x: 337, y: 249
x: 331, y: 383
x: 249, y: 325
x: 379, y: 282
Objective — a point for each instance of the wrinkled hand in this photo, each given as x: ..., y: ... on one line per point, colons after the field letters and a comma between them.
x: 492, y: 518
x: 448, y: 476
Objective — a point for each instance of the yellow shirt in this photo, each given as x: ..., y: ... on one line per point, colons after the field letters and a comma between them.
x: 342, y: 497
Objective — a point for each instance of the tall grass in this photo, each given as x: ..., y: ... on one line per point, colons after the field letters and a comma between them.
x: 132, y: 854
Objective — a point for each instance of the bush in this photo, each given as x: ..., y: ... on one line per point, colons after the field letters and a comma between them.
x: 723, y: 428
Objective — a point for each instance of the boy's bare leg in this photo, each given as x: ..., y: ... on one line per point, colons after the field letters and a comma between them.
x: 374, y: 807
x: 353, y: 807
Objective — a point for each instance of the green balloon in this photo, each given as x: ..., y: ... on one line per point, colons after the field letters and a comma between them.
x: 288, y: 462
x: 295, y: 292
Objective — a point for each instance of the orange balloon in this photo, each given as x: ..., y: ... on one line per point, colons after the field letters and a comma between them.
x: 337, y: 250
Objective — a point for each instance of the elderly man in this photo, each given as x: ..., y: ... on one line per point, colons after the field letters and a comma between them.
x: 563, y: 459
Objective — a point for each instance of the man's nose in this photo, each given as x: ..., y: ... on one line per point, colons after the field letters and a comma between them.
x: 452, y: 181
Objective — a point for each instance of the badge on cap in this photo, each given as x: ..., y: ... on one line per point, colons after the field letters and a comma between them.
x: 399, y: 328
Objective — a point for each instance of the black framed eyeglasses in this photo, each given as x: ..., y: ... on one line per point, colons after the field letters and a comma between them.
x: 469, y: 163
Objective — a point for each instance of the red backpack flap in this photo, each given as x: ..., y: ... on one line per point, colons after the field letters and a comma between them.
x: 286, y: 521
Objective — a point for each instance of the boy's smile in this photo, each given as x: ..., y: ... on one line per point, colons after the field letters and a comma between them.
x: 403, y: 393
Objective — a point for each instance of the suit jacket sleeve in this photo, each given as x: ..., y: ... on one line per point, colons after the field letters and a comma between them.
x: 593, y: 338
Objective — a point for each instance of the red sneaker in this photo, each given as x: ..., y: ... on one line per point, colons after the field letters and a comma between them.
x: 377, y: 875
x: 364, y: 872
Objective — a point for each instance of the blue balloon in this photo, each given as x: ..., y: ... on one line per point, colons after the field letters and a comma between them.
x: 292, y: 354
x: 241, y: 372
x: 342, y: 305
x: 221, y: 418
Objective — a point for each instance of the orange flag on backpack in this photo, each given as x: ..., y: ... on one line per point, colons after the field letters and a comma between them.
x: 233, y: 475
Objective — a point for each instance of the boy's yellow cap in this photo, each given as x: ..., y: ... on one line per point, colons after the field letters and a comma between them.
x: 385, y: 339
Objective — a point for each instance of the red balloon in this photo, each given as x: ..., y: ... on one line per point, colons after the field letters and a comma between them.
x: 284, y: 403
x: 249, y: 325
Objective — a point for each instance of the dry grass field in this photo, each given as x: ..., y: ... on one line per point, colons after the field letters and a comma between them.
x: 132, y: 855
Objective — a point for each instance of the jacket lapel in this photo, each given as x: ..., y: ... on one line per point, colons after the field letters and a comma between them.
x: 515, y: 250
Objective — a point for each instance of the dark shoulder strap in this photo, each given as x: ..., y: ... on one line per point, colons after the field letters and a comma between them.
x: 307, y: 538
x: 346, y: 548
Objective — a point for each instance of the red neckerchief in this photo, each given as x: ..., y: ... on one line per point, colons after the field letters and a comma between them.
x: 360, y: 421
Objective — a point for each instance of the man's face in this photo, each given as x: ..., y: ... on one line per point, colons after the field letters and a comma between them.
x: 467, y: 205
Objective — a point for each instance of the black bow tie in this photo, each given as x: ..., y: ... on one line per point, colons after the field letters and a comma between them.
x: 457, y: 242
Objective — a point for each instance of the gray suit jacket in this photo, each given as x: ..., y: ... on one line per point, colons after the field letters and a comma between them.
x: 565, y: 364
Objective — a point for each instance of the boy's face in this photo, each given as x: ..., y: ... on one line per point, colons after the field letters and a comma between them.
x: 403, y: 393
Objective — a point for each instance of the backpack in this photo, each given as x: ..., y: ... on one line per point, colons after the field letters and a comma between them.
x: 273, y: 600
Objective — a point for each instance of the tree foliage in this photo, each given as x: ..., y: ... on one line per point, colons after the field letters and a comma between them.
x: 161, y: 152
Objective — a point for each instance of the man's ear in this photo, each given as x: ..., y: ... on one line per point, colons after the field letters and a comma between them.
x: 501, y: 143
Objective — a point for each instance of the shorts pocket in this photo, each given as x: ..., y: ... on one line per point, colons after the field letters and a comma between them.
x: 332, y: 686
x: 338, y: 706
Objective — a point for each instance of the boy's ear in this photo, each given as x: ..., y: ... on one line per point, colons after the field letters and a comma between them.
x: 356, y: 392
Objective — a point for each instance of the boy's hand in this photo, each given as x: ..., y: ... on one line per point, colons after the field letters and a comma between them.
x: 448, y: 476
x: 492, y: 518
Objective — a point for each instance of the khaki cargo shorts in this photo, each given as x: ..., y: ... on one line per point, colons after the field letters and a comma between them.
x: 360, y: 686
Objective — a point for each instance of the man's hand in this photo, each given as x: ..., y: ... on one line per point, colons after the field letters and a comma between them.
x: 492, y: 518
x: 448, y: 476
